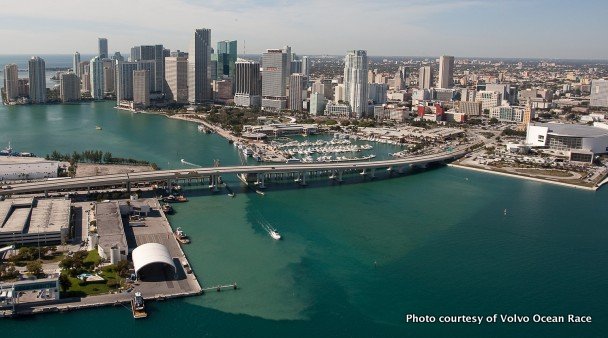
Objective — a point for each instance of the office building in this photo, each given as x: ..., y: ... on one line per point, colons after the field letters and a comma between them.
x: 152, y: 53
x: 117, y: 57
x: 446, y: 72
x: 275, y: 74
x: 37, y: 80
x: 124, y: 80
x: 76, y: 64
x: 226, y: 58
x: 317, y: 104
x: 103, y: 48
x: 306, y: 65
x: 425, y: 77
x: 297, y: 91
x: 11, y: 82
x: 69, y: 87
x: 599, y: 93
x: 488, y: 99
x: 296, y: 66
x: 355, y: 81
x: 141, y: 88
x: 339, y: 96
x: 109, y: 79
x: 176, y: 78
x: 508, y: 113
x: 248, y: 84
x: 337, y: 109
x: 199, y: 79
x: 377, y: 92
x: 97, y: 82
x: 470, y: 108
x: 222, y: 91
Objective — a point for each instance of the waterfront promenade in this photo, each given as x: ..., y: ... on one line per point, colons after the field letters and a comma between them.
x: 214, y: 172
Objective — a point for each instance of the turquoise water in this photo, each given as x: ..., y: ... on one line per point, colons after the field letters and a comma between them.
x: 355, y: 258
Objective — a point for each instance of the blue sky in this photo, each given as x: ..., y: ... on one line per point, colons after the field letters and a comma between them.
x: 509, y: 28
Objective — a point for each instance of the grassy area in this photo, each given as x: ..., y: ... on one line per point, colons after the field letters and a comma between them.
x: 547, y: 172
x: 92, y: 258
x: 84, y: 289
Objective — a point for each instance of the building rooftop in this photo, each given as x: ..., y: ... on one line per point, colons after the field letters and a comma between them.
x: 109, y: 225
x: 575, y: 130
x: 27, y: 215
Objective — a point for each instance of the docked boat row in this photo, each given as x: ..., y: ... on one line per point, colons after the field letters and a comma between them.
x: 317, y: 143
x: 328, y: 149
x: 174, y: 199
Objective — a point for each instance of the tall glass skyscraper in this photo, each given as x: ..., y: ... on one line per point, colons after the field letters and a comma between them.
x: 226, y: 58
x: 199, y: 57
x: 37, y: 78
x: 103, y: 48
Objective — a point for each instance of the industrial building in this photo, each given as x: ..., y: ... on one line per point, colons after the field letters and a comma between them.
x: 29, y: 220
x: 110, y: 232
x: 26, y: 168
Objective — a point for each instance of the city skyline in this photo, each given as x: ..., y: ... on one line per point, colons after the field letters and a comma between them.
x: 392, y: 28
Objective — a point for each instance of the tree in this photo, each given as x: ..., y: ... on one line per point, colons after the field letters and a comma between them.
x: 34, y: 268
x: 64, y: 282
x: 107, y: 157
x: 122, y: 268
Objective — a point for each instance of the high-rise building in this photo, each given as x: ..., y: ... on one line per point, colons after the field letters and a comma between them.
x: 226, y: 58
x: 317, y: 104
x: 108, y: 79
x: 150, y: 66
x: 199, y: 79
x: 97, y: 82
x: 306, y: 65
x: 141, y: 88
x: 599, y: 93
x: 297, y: 91
x: 24, y: 87
x: 425, y: 77
x: 446, y: 72
x: 37, y: 77
x: 222, y: 91
x: 339, y: 94
x: 176, y: 77
x: 118, y: 57
x: 69, y: 87
x: 11, y: 82
x: 103, y: 48
x: 124, y: 80
x: 488, y: 99
x: 377, y: 92
x: 296, y: 66
x: 76, y: 64
x: 275, y: 74
x: 248, y: 84
x: 152, y: 53
x: 355, y: 81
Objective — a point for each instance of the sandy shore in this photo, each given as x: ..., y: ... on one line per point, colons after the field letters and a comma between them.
x: 522, y: 177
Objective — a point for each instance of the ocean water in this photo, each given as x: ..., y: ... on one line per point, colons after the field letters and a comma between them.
x: 355, y: 258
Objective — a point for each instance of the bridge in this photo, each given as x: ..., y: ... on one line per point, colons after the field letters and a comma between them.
x: 249, y: 173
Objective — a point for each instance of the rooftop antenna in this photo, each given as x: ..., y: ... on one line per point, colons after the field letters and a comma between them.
x: 244, y: 48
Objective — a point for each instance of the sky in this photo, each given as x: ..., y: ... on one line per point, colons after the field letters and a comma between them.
x: 483, y: 28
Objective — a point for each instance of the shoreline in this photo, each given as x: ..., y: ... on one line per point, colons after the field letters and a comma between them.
x: 567, y: 185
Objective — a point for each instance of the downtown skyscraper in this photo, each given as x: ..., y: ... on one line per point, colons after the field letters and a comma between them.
x: 11, y: 82
x: 176, y: 77
x: 226, y: 58
x: 247, y: 84
x: 103, y: 48
x: 446, y: 72
x: 76, y: 64
x: 355, y: 81
x: 276, y: 66
x: 425, y: 77
x: 154, y: 53
x: 199, y: 57
x: 37, y: 78
x: 96, y: 76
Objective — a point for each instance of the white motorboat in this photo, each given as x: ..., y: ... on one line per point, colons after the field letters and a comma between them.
x: 274, y: 234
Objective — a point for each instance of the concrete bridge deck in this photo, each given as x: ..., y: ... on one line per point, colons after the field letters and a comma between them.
x: 190, y: 173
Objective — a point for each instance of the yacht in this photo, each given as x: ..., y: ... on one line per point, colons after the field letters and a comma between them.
x: 201, y: 127
x: 180, y: 235
x: 247, y: 152
x: 274, y: 234
x: 98, y: 128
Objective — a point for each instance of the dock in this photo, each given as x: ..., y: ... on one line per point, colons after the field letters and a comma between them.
x: 219, y: 288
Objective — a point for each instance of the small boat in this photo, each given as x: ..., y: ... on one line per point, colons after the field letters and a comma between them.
x: 181, y: 236
x: 231, y: 194
x: 138, y: 307
x: 167, y: 208
x: 181, y: 198
x: 201, y: 128
x: 247, y: 152
x: 98, y: 128
x: 274, y: 234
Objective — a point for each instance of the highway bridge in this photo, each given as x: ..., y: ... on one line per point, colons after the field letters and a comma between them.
x: 250, y: 173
